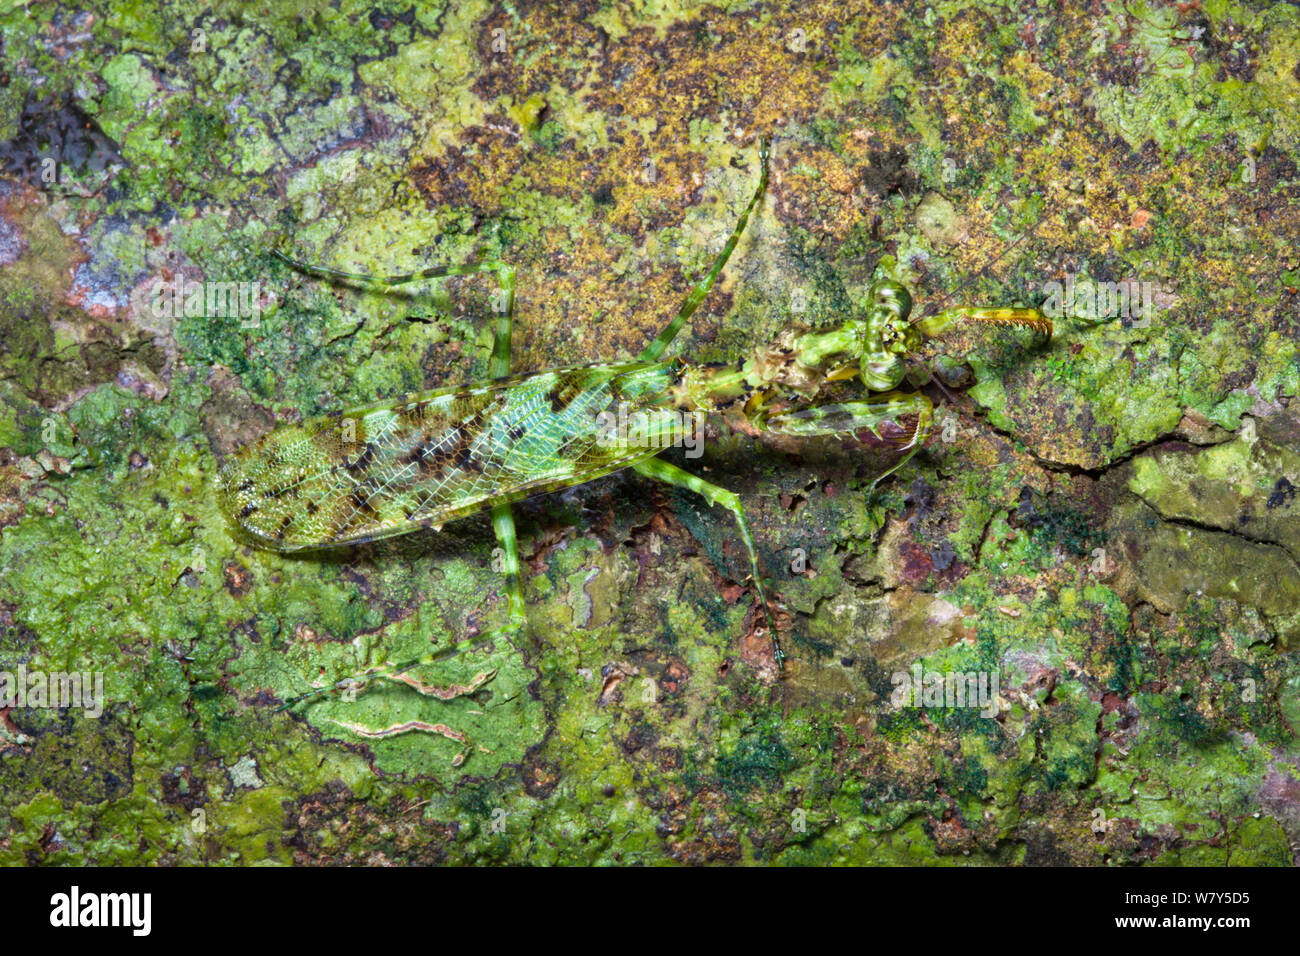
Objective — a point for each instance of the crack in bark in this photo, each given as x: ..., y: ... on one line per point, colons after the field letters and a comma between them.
x: 1201, y: 526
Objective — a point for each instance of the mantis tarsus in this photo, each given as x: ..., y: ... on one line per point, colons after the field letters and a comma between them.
x: 431, y: 457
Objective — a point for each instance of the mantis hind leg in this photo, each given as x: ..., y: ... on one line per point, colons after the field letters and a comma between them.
x: 505, y: 273
x: 503, y: 303
x: 670, y: 474
x: 503, y: 518
x: 847, y: 418
x: 702, y: 288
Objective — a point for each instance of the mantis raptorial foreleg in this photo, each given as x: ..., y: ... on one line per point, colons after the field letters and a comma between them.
x: 846, y: 418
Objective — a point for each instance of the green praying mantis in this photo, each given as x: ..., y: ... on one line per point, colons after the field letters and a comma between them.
x: 432, y: 457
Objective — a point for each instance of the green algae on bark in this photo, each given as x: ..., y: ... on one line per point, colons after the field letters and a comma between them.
x: 1108, y: 522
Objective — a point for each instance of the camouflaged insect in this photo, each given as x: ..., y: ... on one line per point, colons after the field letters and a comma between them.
x: 435, y: 456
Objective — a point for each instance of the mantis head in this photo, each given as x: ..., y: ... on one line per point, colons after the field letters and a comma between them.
x: 889, y: 336
x: 881, y: 340
x: 876, y: 343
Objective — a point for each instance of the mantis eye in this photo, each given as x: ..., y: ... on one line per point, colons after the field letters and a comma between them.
x: 894, y: 298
